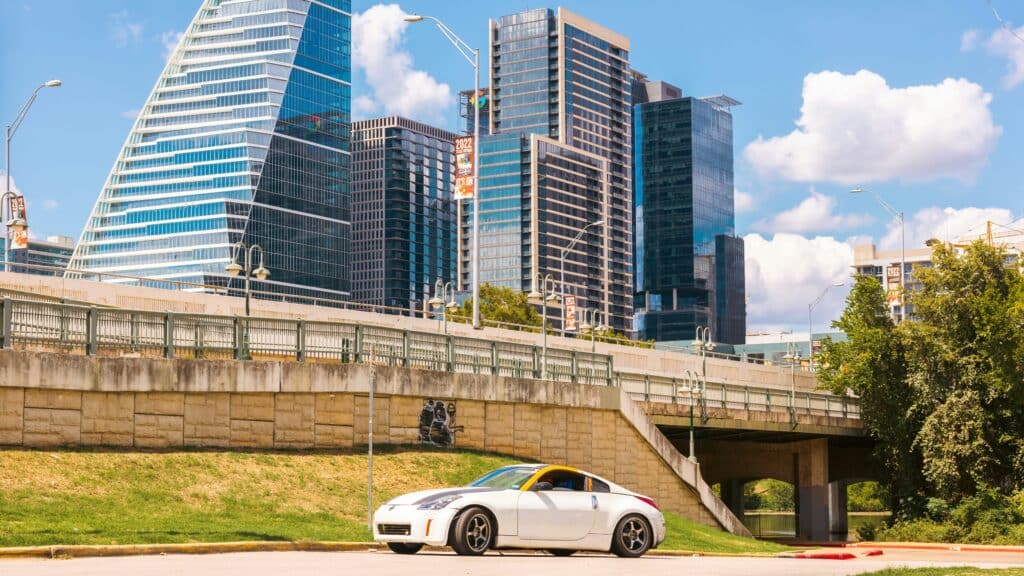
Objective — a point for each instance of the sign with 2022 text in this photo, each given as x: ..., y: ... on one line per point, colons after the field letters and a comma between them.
x: 464, y: 167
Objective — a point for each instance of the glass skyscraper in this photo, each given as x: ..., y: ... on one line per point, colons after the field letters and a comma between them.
x: 245, y: 137
x: 559, y: 158
x: 403, y: 215
x: 689, y: 260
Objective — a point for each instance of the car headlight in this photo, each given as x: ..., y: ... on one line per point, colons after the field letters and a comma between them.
x: 439, y: 503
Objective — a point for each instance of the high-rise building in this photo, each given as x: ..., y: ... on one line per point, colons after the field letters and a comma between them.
x: 558, y: 159
x: 45, y: 257
x: 403, y: 216
x: 689, y: 262
x: 245, y: 137
x: 468, y: 105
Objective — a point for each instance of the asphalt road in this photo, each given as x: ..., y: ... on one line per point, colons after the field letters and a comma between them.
x: 515, y: 564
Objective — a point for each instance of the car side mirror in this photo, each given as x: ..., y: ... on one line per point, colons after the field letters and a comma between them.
x: 543, y: 486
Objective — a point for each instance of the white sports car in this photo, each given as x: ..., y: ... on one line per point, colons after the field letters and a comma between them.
x: 554, y: 508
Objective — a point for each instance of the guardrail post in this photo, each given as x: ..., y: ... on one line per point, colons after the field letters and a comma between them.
x: 844, y: 407
x: 133, y: 330
x: 168, y: 335
x: 494, y: 358
x: 90, y: 331
x: 724, y: 394
x: 405, y: 348
x: 767, y: 400
x: 536, y: 363
x: 357, y: 352
x: 575, y: 369
x: 807, y: 395
x: 236, y: 340
x: 746, y: 399
x: 449, y: 351
x: 675, y: 391
x: 609, y: 377
x: 6, y: 327
x: 300, y: 341
x: 828, y: 410
x: 647, y: 388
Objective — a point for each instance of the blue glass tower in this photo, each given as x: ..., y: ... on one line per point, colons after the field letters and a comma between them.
x: 245, y: 137
x: 689, y: 260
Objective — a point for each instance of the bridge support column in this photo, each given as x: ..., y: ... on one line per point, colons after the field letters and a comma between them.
x: 812, y: 490
x: 838, y: 522
x: 732, y: 495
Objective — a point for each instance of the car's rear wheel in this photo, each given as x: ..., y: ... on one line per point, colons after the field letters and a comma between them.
x: 474, y: 532
x: 561, y: 552
x: 405, y: 547
x: 632, y: 537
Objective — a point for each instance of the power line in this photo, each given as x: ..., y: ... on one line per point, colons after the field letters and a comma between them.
x: 1003, y: 23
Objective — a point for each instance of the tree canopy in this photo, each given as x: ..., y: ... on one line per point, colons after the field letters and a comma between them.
x: 943, y: 392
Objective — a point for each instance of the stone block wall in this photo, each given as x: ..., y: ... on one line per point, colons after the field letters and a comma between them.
x: 172, y: 404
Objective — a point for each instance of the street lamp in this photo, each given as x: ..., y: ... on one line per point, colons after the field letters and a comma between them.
x: 261, y: 273
x: 810, y: 309
x: 898, y: 214
x: 561, y: 261
x: 590, y: 322
x: 693, y: 387
x: 17, y: 224
x: 702, y: 344
x: 546, y: 294
x: 444, y: 296
x: 472, y: 55
x: 793, y: 357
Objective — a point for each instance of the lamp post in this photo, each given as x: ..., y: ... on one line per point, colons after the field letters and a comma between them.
x: 793, y: 357
x: 694, y: 388
x: 702, y: 343
x: 546, y: 294
x: 444, y: 296
x: 898, y: 214
x: 810, y: 309
x: 19, y: 224
x: 261, y: 273
x: 590, y: 317
x: 472, y: 55
x: 561, y: 262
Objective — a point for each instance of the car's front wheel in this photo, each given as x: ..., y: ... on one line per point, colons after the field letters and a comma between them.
x: 405, y: 547
x: 632, y: 537
x: 474, y: 532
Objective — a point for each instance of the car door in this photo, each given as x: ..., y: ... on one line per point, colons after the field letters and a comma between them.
x: 558, y: 514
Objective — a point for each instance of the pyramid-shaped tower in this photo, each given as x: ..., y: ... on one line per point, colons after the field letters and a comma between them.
x: 244, y: 138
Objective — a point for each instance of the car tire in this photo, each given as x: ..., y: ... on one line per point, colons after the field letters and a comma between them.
x: 632, y: 537
x: 405, y: 547
x: 474, y: 532
x: 561, y: 552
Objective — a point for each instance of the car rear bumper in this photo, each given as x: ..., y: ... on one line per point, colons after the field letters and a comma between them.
x: 660, y: 530
x: 405, y: 523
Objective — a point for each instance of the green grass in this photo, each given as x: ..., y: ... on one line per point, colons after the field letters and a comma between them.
x: 954, y: 571
x: 124, y: 497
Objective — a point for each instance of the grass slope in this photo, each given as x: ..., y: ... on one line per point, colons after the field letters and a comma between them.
x: 953, y: 571
x: 124, y: 497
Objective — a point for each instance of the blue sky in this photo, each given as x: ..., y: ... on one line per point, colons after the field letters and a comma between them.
x: 922, y: 101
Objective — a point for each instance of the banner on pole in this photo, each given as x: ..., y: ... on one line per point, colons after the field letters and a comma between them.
x: 570, y: 313
x: 464, y: 167
x: 19, y: 238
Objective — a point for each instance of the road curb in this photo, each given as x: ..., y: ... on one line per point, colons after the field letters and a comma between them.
x: 831, y: 554
x: 85, y: 551
x: 938, y: 546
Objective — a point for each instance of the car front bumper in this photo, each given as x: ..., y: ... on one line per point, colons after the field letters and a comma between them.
x: 422, y: 526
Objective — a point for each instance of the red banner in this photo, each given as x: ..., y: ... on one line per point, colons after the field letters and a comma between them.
x: 464, y: 167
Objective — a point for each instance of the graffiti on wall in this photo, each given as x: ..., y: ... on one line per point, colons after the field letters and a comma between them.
x: 437, y: 423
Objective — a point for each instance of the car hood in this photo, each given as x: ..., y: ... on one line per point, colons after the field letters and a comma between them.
x: 423, y: 496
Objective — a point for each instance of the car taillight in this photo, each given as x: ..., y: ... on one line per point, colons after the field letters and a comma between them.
x: 650, y: 502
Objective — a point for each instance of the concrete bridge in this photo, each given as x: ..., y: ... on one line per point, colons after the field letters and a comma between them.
x: 753, y: 421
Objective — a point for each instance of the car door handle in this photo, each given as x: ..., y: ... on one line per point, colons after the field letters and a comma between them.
x: 593, y: 501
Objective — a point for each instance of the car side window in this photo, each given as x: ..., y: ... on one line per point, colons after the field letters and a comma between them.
x: 563, y: 480
x: 598, y: 486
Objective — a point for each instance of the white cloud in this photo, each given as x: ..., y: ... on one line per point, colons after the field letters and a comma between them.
x: 945, y: 224
x: 969, y: 40
x: 131, y: 114
x: 363, y: 107
x: 815, y: 213
x: 787, y: 272
x: 1009, y: 44
x: 743, y: 202
x: 169, y: 40
x: 377, y: 49
x: 122, y: 31
x: 50, y: 204
x: 3, y: 183
x: 856, y: 129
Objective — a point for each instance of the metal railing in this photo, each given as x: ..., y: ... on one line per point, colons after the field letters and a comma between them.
x: 91, y: 330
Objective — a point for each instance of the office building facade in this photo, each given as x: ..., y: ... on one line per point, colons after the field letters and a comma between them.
x: 44, y: 257
x: 244, y: 138
x: 559, y: 158
x: 689, y: 261
x: 403, y: 214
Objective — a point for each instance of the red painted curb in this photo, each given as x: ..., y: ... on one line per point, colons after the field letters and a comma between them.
x: 829, y: 555
x: 939, y: 546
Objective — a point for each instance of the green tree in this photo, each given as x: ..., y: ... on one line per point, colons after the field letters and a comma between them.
x: 499, y: 304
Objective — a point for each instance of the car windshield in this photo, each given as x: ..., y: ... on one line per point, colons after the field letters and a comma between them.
x: 505, y: 478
